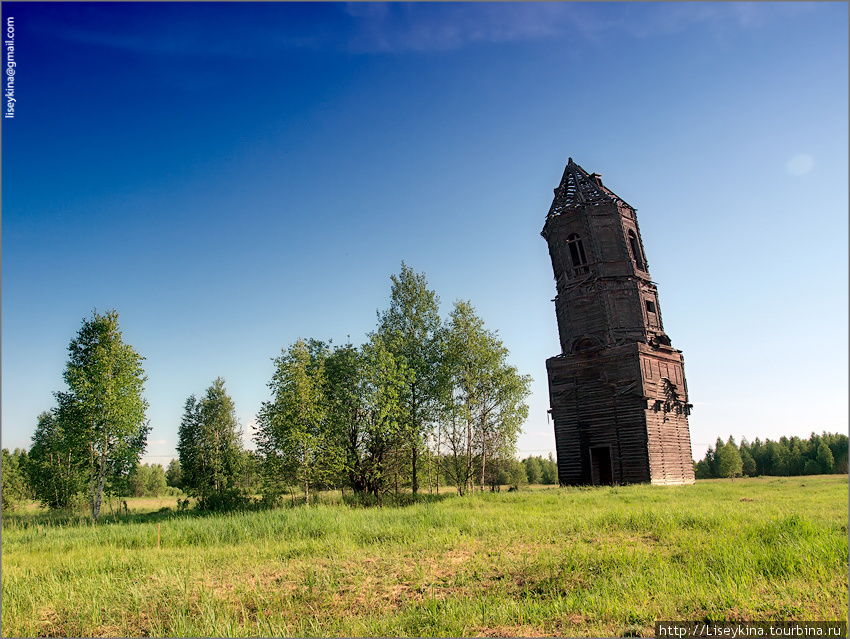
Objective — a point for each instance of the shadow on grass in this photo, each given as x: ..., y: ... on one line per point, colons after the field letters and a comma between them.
x: 65, y: 517
x: 390, y: 500
x: 81, y: 515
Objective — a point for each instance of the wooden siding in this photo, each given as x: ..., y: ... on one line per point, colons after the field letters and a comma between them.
x: 596, y: 401
x: 617, y: 392
x: 668, y: 435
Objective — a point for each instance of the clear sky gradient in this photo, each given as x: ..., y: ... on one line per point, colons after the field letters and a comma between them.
x: 230, y: 177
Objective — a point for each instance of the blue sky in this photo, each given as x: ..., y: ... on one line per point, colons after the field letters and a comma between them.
x: 231, y: 177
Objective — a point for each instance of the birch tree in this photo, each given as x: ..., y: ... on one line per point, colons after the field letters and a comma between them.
x: 483, y: 399
x: 56, y: 468
x: 292, y: 430
x: 104, y: 408
x: 210, y: 448
x: 409, y: 329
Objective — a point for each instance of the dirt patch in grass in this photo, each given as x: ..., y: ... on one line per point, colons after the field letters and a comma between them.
x: 511, y: 631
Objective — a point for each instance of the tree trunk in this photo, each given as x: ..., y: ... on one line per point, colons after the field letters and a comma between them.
x: 91, y: 478
x: 438, y: 460
x: 430, y: 483
x: 96, y: 499
x: 414, y: 441
x: 468, y: 473
x: 483, y: 453
x: 306, y: 481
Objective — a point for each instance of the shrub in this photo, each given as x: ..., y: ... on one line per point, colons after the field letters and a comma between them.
x: 223, y: 500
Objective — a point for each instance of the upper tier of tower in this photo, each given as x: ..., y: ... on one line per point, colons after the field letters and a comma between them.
x: 579, y: 188
x: 592, y: 231
x: 605, y: 295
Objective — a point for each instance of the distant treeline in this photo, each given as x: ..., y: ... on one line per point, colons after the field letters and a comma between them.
x: 819, y: 455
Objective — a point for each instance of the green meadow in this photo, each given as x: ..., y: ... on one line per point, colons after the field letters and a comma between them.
x: 537, y: 562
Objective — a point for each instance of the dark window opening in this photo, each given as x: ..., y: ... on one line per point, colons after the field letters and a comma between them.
x: 636, y: 255
x: 577, y: 255
x: 650, y: 306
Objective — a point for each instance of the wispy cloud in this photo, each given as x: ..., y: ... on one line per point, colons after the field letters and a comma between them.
x: 402, y: 27
x: 394, y: 28
x: 663, y: 18
x: 208, y: 30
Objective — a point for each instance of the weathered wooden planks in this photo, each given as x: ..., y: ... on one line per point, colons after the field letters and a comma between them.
x: 617, y: 391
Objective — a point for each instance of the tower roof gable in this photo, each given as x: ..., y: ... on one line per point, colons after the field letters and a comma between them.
x: 580, y: 188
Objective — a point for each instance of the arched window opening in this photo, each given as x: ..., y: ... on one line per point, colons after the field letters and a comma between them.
x: 577, y: 255
x: 635, y: 247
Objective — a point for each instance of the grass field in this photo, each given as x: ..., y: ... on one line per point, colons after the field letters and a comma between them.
x: 553, y: 561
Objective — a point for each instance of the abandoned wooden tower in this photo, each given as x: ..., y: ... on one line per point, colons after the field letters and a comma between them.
x: 617, y: 391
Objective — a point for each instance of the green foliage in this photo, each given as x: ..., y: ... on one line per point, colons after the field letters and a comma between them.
x: 210, y: 447
x: 414, y: 399
x: 483, y: 398
x: 156, y: 484
x: 508, y: 472
x: 499, y: 472
x: 14, y: 484
x: 409, y: 330
x: 344, y: 394
x: 250, y: 479
x: 293, y: 433
x: 748, y: 464
x: 146, y: 481
x: 825, y: 458
x: 374, y: 446
x: 812, y: 468
x: 728, y: 459
x: 779, y: 457
x: 550, y: 471
x: 173, y: 476
x: 702, y: 469
x: 533, y: 469
x: 21, y: 458
x: 56, y: 471
x: 102, y: 415
x: 540, y: 470
x: 825, y: 453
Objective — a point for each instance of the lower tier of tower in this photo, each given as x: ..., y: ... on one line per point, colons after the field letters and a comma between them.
x: 620, y: 416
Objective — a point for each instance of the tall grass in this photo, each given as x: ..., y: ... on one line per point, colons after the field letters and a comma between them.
x: 606, y: 561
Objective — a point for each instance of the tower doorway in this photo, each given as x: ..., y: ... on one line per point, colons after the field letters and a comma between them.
x: 600, y: 466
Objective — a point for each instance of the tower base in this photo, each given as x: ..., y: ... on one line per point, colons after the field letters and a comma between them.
x: 621, y: 416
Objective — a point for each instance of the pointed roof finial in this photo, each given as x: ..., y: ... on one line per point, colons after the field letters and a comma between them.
x: 580, y: 188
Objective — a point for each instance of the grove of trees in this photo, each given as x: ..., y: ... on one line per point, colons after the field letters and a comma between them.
x: 421, y: 400
x: 820, y: 454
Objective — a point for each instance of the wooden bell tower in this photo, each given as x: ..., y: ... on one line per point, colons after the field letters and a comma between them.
x: 617, y: 391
